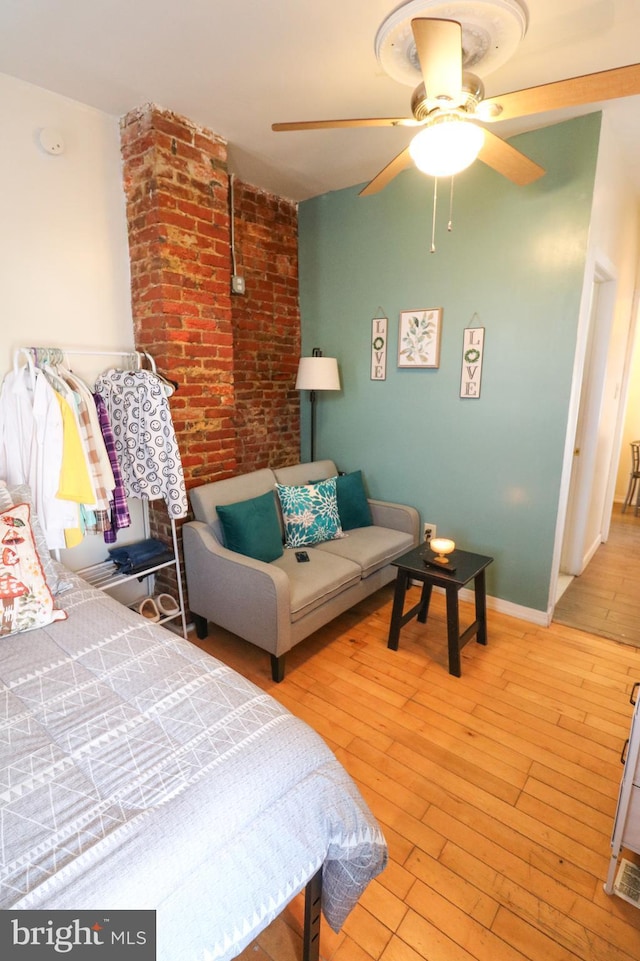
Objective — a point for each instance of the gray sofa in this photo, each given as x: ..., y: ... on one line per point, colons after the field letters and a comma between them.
x: 276, y: 605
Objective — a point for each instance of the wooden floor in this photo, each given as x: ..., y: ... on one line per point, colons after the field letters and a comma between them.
x: 605, y: 599
x: 496, y: 791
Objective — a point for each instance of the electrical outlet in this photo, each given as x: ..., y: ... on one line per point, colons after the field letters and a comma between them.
x: 237, y: 284
x: 429, y: 531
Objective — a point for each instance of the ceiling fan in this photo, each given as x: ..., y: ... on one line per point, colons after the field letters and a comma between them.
x: 450, y: 110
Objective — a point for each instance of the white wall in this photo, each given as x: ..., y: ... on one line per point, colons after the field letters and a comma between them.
x: 63, y: 238
x: 64, y: 259
x: 631, y: 429
x: 614, y: 242
x: 616, y: 231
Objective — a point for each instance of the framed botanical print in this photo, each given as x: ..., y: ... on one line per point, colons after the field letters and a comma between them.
x: 419, y: 337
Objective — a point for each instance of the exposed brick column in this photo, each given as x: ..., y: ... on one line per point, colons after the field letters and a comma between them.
x: 266, y: 326
x: 176, y: 186
x: 234, y: 356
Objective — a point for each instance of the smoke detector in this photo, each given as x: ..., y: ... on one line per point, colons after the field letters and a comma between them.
x: 491, y: 32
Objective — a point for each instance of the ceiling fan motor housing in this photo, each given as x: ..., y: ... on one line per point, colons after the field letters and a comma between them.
x: 491, y: 33
x: 472, y: 89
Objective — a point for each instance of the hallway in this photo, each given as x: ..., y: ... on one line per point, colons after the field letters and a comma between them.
x: 605, y: 599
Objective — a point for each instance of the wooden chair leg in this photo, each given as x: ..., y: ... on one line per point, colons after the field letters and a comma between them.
x: 633, y: 495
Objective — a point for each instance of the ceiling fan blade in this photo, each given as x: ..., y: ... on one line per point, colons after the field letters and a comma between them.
x: 439, y: 49
x: 362, y: 122
x: 386, y: 175
x: 508, y: 161
x: 575, y: 92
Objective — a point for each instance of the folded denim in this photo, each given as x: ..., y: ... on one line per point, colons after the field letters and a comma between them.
x: 141, y: 555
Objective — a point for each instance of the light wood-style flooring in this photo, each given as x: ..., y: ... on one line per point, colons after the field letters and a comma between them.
x: 605, y: 599
x: 496, y: 791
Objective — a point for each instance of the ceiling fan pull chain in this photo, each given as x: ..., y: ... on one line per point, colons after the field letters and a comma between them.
x: 433, y: 221
x: 450, y: 224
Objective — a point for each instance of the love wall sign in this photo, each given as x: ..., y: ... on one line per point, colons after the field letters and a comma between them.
x: 472, y: 354
x: 379, y: 348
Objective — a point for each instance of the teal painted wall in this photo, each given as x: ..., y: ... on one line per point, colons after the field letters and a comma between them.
x: 486, y: 471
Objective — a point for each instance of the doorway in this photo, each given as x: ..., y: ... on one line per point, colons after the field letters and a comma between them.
x: 590, y: 495
x: 604, y: 600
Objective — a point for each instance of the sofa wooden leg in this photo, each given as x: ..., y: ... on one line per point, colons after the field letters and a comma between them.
x: 277, y: 667
x: 201, y: 625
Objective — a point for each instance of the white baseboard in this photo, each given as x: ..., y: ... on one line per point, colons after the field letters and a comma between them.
x: 541, y: 618
x: 590, y: 553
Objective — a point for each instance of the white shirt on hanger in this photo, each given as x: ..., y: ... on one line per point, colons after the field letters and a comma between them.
x: 31, y: 447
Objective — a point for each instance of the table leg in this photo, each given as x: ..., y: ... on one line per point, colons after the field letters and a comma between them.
x: 425, y: 599
x: 402, y: 580
x: 453, y: 630
x: 481, y: 607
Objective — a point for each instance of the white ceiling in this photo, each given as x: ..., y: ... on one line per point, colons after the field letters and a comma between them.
x: 237, y: 66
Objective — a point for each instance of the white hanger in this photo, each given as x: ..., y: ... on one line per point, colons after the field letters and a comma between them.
x: 29, y: 366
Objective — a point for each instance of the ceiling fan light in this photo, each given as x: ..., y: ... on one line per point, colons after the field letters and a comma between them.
x: 446, y: 146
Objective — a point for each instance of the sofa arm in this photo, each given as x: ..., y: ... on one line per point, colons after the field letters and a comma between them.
x: 398, y: 517
x: 245, y: 596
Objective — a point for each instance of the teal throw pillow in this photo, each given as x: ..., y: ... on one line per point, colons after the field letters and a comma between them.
x: 353, y: 506
x: 310, y: 513
x: 251, y: 527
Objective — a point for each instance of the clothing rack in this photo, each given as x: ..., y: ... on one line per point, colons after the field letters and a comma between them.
x: 56, y: 355
x: 100, y: 575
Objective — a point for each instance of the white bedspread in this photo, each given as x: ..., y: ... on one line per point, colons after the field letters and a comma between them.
x: 136, y: 771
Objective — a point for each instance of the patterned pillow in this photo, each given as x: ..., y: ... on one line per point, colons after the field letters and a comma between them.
x: 310, y: 513
x: 21, y: 494
x: 353, y: 505
x: 25, y: 599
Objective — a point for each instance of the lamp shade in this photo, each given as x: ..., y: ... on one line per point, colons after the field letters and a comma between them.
x: 318, y: 373
x: 446, y: 146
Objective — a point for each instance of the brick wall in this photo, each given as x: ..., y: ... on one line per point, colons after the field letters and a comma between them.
x: 266, y: 330
x: 176, y: 186
x: 234, y: 357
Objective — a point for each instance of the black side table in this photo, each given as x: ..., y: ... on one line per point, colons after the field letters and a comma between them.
x: 464, y: 567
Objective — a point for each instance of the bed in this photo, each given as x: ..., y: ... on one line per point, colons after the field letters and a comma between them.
x: 140, y: 772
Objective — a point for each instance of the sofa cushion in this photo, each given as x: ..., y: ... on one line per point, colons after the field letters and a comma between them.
x: 369, y: 547
x: 317, y: 470
x: 313, y: 583
x: 252, y: 527
x: 205, y: 499
x: 309, y: 512
x: 353, y: 506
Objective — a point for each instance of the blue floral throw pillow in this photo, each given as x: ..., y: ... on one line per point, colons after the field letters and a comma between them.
x: 310, y: 513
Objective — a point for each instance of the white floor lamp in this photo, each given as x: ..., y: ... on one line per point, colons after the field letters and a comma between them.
x: 317, y: 373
